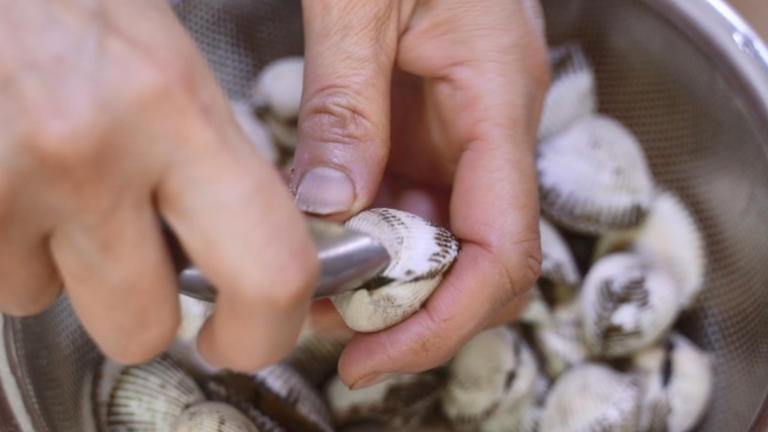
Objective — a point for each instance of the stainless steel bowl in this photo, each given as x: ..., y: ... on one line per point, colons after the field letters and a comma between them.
x: 688, y: 76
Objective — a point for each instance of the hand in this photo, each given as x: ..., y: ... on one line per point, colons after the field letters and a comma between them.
x: 431, y: 106
x: 108, y: 117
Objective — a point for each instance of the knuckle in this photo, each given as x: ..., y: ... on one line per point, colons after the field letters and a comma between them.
x: 62, y: 142
x: 336, y: 115
x: 295, y: 286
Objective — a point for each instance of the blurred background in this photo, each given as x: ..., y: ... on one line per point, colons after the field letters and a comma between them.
x: 756, y: 13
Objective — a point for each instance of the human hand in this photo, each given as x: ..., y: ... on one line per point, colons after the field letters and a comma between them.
x: 430, y: 106
x: 108, y: 117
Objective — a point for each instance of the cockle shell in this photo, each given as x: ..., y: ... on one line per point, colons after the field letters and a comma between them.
x: 257, y: 133
x: 213, y: 417
x: 277, y: 394
x: 627, y: 304
x: 591, y: 398
x: 561, y: 342
x: 593, y: 177
x: 670, y: 236
x: 677, y: 381
x: 400, y: 402
x: 151, y: 397
x: 572, y: 93
x: 489, y: 381
x: 276, y: 96
x: 560, y: 276
x: 420, y: 254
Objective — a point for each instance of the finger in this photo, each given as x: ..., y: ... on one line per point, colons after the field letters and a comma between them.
x: 118, y: 276
x: 239, y: 225
x: 344, y: 119
x: 27, y: 274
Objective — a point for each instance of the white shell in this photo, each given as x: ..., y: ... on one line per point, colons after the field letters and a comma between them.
x: 572, y: 94
x: 670, y: 235
x: 183, y: 349
x: 677, y: 381
x: 213, y: 417
x: 104, y: 379
x: 593, y: 177
x: 591, y: 398
x: 561, y: 342
x: 257, y: 133
x: 420, y: 254
x: 151, y: 396
x: 490, y: 379
x: 627, y: 304
x: 277, y: 91
x: 400, y: 401
x: 557, y: 262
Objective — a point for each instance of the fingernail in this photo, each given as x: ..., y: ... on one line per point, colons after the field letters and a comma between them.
x: 325, y: 191
x: 371, y: 379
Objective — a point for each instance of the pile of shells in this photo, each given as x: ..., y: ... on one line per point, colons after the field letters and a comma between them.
x: 595, y: 350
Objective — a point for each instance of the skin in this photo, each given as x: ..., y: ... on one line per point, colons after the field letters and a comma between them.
x: 110, y: 117
x: 432, y: 106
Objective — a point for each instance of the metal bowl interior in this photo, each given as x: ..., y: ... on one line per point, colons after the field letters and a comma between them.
x: 703, y: 131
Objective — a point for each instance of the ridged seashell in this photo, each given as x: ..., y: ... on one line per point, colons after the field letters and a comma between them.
x: 561, y: 343
x: 594, y: 177
x: 400, y: 402
x: 627, y: 304
x: 213, y: 417
x: 489, y: 381
x: 277, y: 394
x: 276, y: 95
x: 669, y: 234
x: 591, y: 398
x: 572, y: 94
x: 560, y: 276
x: 151, y: 397
x: 183, y: 349
x: 420, y: 254
x: 257, y: 133
x: 102, y: 383
x: 677, y: 383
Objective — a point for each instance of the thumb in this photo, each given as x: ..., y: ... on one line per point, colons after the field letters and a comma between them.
x: 344, y: 119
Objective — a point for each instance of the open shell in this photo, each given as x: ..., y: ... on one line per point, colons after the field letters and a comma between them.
x: 400, y: 402
x: 572, y: 94
x: 677, y: 380
x: 669, y: 235
x: 151, y: 397
x: 420, y: 252
x: 213, y: 417
x: 627, y: 304
x: 591, y: 398
x: 594, y: 177
x: 491, y: 381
